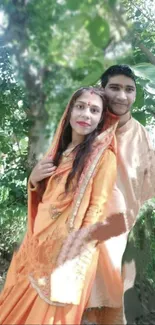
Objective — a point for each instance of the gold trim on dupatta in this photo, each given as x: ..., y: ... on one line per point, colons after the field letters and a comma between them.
x: 89, y: 170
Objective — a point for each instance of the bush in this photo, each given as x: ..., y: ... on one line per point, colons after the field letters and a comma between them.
x: 13, y: 158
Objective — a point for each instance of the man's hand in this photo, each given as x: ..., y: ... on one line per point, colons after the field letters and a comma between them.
x: 113, y: 226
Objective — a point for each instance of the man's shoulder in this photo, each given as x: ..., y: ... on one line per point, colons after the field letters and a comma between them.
x: 143, y: 133
x: 139, y: 126
x: 137, y: 123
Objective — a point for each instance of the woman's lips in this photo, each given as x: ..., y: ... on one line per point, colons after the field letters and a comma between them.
x: 82, y: 123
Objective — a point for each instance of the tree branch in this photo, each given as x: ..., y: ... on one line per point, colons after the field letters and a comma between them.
x: 146, y: 51
x: 147, y: 17
x: 17, y: 142
x: 142, y: 47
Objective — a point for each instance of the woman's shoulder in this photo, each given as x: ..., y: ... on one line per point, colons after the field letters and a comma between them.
x: 107, y: 159
x: 108, y: 154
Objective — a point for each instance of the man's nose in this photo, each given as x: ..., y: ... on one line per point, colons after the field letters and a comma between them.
x: 122, y: 95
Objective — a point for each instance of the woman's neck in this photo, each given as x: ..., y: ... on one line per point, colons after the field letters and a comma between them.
x: 76, y: 138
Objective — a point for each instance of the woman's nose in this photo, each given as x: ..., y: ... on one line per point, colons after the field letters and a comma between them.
x: 86, y: 113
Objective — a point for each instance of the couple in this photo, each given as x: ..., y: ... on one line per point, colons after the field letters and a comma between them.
x: 83, y: 180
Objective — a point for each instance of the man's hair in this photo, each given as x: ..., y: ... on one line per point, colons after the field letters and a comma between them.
x: 116, y: 70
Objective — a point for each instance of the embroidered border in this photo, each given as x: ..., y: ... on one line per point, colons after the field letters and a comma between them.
x: 87, y: 174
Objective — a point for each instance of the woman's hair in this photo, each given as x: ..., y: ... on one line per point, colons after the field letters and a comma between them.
x: 84, y: 148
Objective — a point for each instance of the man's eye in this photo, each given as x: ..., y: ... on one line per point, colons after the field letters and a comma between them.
x: 114, y: 88
x: 129, y: 90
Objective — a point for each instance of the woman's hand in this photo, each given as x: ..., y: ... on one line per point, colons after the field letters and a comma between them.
x: 42, y: 170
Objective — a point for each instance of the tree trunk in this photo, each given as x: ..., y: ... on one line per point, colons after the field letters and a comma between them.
x: 17, y: 33
x: 37, y: 138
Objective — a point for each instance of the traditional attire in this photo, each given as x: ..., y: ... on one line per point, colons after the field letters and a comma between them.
x: 40, y: 287
x: 135, y: 184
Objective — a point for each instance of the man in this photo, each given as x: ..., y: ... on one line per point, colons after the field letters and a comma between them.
x: 136, y: 162
x: 136, y: 171
x: 135, y: 179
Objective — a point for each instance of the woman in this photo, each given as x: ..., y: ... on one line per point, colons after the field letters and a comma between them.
x: 40, y: 287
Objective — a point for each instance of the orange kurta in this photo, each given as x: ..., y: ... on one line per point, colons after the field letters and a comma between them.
x: 20, y: 303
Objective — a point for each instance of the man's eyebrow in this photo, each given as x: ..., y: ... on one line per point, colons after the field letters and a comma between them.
x: 115, y: 84
x: 130, y: 86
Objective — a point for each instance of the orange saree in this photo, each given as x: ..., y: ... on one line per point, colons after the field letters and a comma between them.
x: 38, y: 290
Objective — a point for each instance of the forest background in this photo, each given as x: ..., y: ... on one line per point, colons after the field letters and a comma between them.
x: 48, y: 49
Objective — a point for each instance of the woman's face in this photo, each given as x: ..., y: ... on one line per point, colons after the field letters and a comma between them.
x: 86, y: 113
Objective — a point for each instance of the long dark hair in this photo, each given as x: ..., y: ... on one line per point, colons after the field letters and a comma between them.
x: 84, y: 148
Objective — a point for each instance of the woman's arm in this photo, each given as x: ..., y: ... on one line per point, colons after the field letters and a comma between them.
x: 103, y: 183
x: 43, y: 169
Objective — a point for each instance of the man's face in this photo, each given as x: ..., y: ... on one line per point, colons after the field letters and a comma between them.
x: 121, y: 93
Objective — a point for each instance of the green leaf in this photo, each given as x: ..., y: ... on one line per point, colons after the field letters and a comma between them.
x: 99, y: 31
x: 150, y: 88
x: 138, y: 13
x: 139, y: 97
x: 140, y: 116
x: 94, y: 75
x: 138, y: 26
x: 112, y: 3
x: 73, y: 4
x: 145, y: 70
x: 76, y: 22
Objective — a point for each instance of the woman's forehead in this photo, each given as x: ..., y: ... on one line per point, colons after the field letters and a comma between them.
x: 90, y: 97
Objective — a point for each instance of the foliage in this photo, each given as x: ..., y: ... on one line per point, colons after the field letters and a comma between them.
x: 139, y: 298
x: 142, y: 36
x: 141, y: 242
x: 48, y: 49
x: 13, y: 156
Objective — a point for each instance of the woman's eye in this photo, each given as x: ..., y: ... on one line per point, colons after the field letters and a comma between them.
x: 94, y: 110
x: 80, y: 106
